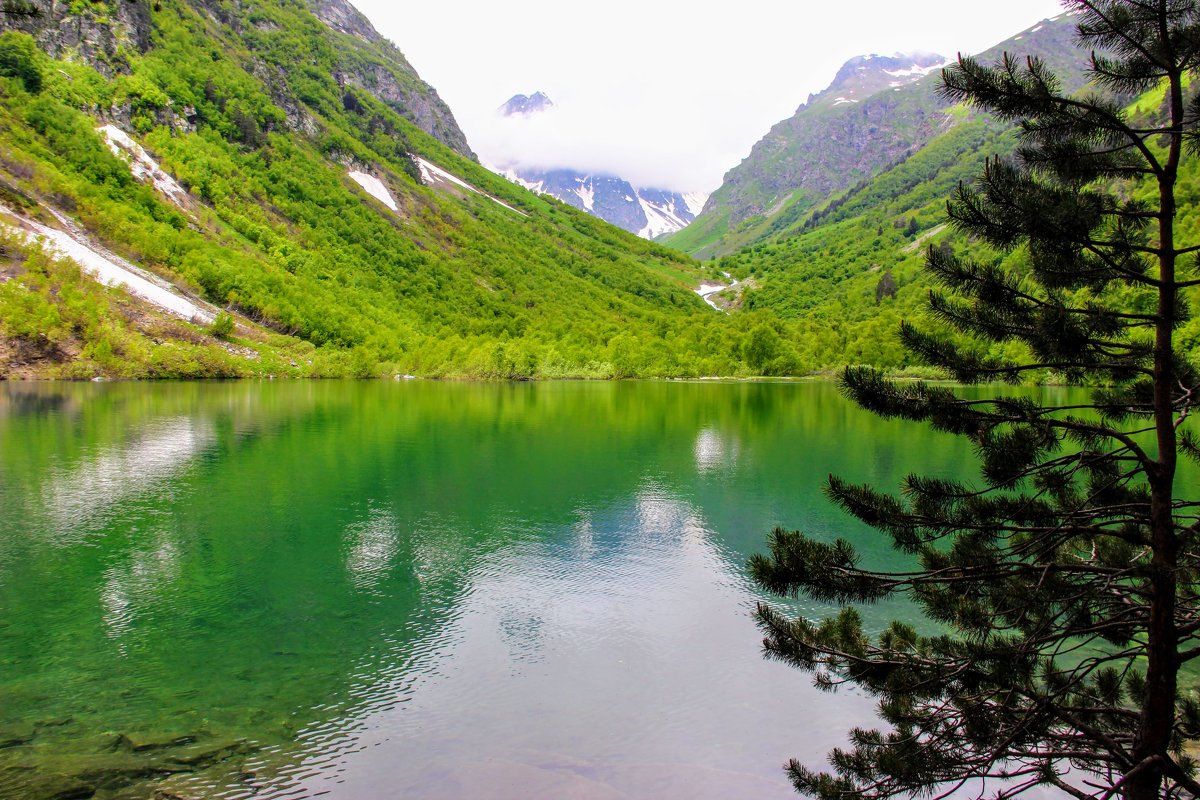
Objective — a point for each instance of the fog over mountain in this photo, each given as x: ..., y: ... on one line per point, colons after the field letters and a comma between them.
x: 648, y: 211
x: 657, y: 93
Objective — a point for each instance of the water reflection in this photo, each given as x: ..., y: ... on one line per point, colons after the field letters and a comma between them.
x: 715, y: 452
x: 75, y: 497
x: 148, y: 573
x: 371, y: 546
x: 426, y: 590
x: 550, y: 664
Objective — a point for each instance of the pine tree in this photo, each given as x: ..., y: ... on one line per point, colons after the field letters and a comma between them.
x: 1066, y: 574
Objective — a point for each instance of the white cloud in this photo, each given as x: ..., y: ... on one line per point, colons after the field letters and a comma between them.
x: 670, y: 94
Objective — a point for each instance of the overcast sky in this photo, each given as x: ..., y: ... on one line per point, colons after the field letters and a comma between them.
x: 669, y: 94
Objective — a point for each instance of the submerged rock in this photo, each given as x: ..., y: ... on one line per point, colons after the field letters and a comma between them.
x: 117, y: 762
x: 15, y: 737
x: 142, y: 744
x: 45, y: 786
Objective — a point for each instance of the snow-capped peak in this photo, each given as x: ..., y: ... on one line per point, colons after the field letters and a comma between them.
x: 915, y: 71
x: 525, y: 105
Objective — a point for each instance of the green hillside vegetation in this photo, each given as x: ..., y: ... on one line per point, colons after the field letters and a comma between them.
x: 846, y: 266
x: 730, y: 226
x: 322, y: 278
x: 829, y: 146
x: 851, y: 269
x: 253, y: 112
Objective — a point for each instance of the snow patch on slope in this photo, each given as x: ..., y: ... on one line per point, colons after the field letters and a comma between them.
x: 695, y: 202
x: 660, y: 219
x: 709, y: 290
x: 143, y: 167
x: 657, y: 221
x: 915, y: 71
x: 105, y: 267
x: 433, y: 175
x: 374, y: 187
x: 537, y: 187
x: 587, y: 194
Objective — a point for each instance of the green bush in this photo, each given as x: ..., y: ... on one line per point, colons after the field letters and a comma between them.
x: 222, y: 326
x: 20, y: 58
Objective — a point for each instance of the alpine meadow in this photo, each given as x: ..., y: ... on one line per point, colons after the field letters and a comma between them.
x: 366, y: 439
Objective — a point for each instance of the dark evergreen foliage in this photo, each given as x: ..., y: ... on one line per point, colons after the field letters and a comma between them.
x: 1067, y: 574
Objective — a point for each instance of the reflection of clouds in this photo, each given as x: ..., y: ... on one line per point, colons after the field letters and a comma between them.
x: 658, y: 514
x: 439, y: 550
x: 154, y: 454
x: 585, y: 533
x: 127, y: 585
x: 713, y: 452
x: 371, y: 547
x: 608, y: 636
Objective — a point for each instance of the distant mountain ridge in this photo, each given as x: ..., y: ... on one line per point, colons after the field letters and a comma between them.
x: 649, y: 212
x: 525, y: 104
x: 863, y: 76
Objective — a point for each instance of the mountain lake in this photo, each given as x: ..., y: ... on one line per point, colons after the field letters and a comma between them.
x: 418, y: 589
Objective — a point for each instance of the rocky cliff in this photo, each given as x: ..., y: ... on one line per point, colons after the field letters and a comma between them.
x: 101, y: 34
x: 106, y: 34
x: 392, y: 80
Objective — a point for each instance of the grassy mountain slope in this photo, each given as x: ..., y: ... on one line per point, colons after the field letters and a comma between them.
x: 261, y: 112
x: 832, y: 144
x: 842, y: 265
x: 850, y: 270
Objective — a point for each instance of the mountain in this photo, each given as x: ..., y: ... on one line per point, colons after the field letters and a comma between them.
x: 843, y: 266
x: 526, y: 104
x: 271, y: 189
x: 647, y: 211
x: 877, y: 112
x: 108, y: 42
x: 863, y: 76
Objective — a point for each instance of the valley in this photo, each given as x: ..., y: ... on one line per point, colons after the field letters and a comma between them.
x: 339, y: 219
x: 864, y: 475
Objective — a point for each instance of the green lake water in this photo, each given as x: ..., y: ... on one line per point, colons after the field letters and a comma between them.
x: 416, y: 590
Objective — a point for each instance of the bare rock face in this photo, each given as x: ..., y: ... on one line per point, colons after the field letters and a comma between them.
x: 388, y: 76
x: 99, y: 35
x: 408, y: 96
x: 93, y: 35
x: 345, y: 18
